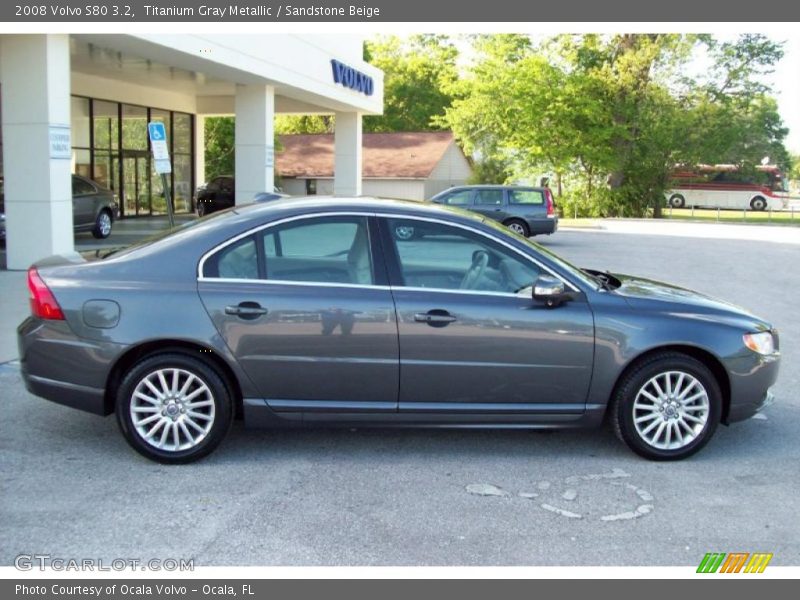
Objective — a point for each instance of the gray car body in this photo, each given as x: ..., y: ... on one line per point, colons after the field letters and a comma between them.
x: 389, y: 370
x: 89, y: 199
x: 534, y: 215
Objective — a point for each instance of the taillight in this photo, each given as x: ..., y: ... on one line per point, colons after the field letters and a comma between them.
x: 548, y: 196
x: 43, y: 303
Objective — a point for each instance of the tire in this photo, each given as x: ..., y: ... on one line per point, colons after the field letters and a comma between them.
x: 201, y: 209
x: 207, y: 432
x: 103, y: 224
x: 518, y: 227
x: 706, y: 408
x: 677, y: 201
x: 758, y: 203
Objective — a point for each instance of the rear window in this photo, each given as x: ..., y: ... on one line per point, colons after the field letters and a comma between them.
x: 525, y: 197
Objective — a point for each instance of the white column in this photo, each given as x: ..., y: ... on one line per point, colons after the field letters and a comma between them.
x: 255, y: 141
x: 38, y: 188
x: 200, y: 149
x: 347, y: 165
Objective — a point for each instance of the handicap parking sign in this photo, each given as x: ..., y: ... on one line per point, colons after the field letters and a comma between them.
x: 157, y: 131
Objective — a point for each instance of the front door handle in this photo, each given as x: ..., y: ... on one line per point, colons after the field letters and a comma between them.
x: 246, y: 310
x: 435, y: 318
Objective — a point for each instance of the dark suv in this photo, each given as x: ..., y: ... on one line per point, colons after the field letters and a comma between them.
x: 524, y: 210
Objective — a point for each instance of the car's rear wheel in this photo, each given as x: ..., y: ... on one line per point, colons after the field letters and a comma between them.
x: 758, y: 203
x: 677, y: 201
x: 519, y: 227
x: 173, y: 408
x: 102, y: 225
x: 667, y: 407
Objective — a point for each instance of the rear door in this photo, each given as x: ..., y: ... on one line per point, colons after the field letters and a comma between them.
x: 490, y: 202
x: 304, y: 307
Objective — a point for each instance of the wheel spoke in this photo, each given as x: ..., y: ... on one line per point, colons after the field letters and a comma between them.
x: 153, y: 388
x: 149, y: 419
x: 176, y: 436
x: 694, y: 419
x: 198, y: 415
x: 195, y: 394
x: 155, y: 427
x: 668, y: 434
x: 189, y: 380
x: 193, y: 423
x: 679, y: 384
x: 198, y: 404
x: 145, y: 409
x: 668, y: 387
x: 164, y: 434
x: 649, y: 396
x: 146, y: 398
x: 653, y: 415
x: 163, y: 381
x: 688, y: 389
x: 654, y: 381
x: 678, y: 432
x: 186, y: 431
x: 176, y: 374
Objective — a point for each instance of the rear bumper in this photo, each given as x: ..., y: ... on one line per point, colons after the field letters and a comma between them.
x: 59, y: 366
x: 543, y: 226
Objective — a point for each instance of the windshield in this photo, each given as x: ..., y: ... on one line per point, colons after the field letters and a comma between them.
x: 568, y: 267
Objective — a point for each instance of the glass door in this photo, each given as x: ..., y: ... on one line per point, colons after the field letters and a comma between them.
x: 136, y: 198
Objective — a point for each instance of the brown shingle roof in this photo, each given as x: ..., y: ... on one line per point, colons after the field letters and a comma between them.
x: 407, y: 155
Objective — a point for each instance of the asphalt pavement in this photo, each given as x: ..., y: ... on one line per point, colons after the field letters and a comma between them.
x: 72, y: 488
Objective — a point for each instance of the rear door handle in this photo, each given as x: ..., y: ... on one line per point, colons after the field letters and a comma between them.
x: 246, y: 310
x: 435, y: 318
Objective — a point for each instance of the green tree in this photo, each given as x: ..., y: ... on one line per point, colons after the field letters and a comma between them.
x: 220, y: 146
x: 418, y: 72
x: 613, y: 114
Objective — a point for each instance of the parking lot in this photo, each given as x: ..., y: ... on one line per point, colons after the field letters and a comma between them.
x: 72, y: 488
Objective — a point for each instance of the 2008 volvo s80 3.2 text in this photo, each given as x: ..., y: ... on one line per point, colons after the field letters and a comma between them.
x: 310, y: 311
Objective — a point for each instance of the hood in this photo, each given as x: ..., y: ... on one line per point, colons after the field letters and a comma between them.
x: 642, y: 293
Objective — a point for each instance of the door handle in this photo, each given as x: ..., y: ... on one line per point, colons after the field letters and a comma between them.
x: 246, y: 310
x: 435, y: 318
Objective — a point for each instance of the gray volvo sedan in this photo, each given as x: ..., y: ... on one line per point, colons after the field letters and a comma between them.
x: 313, y: 311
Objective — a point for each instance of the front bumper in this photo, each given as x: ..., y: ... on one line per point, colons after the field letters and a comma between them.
x: 751, y: 379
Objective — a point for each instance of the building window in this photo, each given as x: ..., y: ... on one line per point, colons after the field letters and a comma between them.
x: 111, y: 146
x: 311, y: 187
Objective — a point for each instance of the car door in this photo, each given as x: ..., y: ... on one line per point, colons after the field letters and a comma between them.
x: 304, y: 306
x: 472, y: 339
x: 84, y: 196
x: 490, y: 203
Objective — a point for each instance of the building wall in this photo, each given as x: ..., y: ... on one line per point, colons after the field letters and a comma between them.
x: 453, y: 169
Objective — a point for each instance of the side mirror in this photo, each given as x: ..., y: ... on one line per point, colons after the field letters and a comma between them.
x: 550, y: 290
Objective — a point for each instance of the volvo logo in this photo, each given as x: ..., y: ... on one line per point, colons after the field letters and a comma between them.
x: 350, y: 78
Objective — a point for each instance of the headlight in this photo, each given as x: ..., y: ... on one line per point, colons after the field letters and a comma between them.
x: 762, y: 343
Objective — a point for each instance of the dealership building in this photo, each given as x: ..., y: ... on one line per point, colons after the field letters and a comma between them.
x: 81, y: 103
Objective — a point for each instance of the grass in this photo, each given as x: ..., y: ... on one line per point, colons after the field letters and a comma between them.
x: 706, y: 215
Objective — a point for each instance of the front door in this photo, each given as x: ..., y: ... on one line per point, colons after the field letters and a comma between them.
x: 300, y: 306
x: 135, y: 189
x: 471, y: 336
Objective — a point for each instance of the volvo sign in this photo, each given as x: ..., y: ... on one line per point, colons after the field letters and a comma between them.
x: 350, y: 78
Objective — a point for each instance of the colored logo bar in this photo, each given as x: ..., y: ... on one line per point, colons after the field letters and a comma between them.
x: 734, y: 562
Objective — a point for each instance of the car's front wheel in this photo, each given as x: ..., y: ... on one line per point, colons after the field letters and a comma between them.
x: 667, y: 406
x: 173, y: 408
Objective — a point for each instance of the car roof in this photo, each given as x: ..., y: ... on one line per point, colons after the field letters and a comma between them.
x: 492, y: 186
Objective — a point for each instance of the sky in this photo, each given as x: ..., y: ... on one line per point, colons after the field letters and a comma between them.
x: 786, y: 86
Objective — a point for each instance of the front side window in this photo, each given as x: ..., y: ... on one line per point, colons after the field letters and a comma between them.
x: 314, y: 250
x: 459, y: 198
x: 452, y: 258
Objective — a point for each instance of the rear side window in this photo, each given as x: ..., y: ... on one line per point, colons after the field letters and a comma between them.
x: 315, y: 250
x: 525, y: 197
x: 237, y: 261
x: 79, y: 186
x: 489, y: 197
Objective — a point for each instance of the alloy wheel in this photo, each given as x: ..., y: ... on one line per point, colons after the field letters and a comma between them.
x: 671, y: 410
x: 172, y: 409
